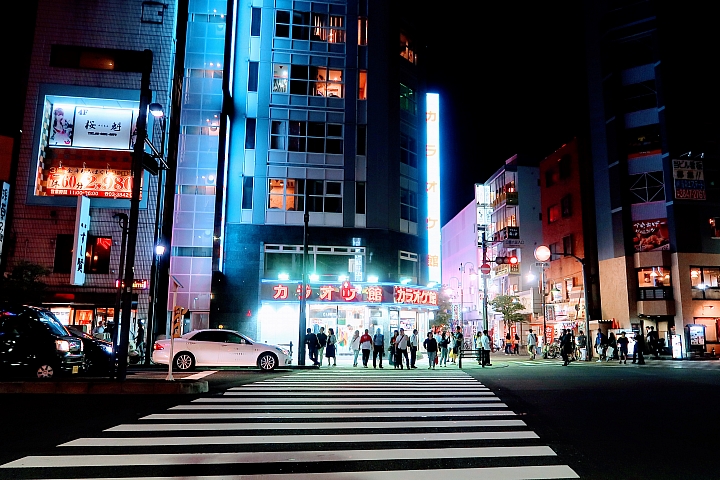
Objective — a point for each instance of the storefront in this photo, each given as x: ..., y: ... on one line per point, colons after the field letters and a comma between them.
x: 344, y: 307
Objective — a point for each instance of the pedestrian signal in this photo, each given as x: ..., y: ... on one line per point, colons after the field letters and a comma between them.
x: 178, y: 314
x: 506, y: 260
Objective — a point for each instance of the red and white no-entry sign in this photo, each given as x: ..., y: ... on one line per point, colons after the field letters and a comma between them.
x: 485, y: 269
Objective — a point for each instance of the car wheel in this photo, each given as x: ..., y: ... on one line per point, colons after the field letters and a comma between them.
x: 267, y: 361
x: 184, y: 361
x: 45, y: 371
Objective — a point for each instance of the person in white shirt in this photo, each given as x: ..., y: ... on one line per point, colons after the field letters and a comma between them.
x: 485, y: 340
x: 532, y: 344
x: 414, y: 344
x: 355, y: 345
x: 401, y: 345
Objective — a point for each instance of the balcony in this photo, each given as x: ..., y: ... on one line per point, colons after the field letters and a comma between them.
x: 509, y: 198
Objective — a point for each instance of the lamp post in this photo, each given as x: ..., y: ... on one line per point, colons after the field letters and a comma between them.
x: 157, y: 112
x: 544, y: 252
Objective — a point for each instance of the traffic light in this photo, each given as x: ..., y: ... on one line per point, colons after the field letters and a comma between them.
x: 506, y: 260
x: 178, y: 314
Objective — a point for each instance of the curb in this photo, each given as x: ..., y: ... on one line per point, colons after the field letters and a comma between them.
x: 107, y: 387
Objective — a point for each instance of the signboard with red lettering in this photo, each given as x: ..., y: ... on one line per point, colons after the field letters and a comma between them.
x: 90, y: 182
x: 347, y: 292
x: 689, y: 179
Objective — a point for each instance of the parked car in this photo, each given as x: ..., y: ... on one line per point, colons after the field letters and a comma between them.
x: 34, y: 342
x: 217, y: 348
x: 98, y: 352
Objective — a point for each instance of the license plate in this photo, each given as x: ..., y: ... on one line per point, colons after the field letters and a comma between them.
x: 75, y: 369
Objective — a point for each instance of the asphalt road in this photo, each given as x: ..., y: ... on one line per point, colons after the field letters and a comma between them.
x: 604, y: 421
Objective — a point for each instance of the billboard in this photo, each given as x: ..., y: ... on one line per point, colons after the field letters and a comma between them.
x: 91, y: 127
x: 651, y: 235
x: 689, y: 179
x: 432, y: 149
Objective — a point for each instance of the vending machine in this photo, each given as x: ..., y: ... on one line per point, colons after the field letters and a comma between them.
x: 695, y: 339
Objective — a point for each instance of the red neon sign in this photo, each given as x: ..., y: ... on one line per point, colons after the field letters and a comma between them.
x: 415, y: 296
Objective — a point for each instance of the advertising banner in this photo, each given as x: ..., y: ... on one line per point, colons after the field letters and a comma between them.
x: 82, y: 225
x: 651, y: 235
x: 432, y: 151
x: 91, y: 127
x: 4, y: 200
x: 689, y: 179
x: 92, y: 182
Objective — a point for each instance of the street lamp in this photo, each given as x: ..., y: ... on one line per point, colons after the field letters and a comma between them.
x: 156, y: 110
x: 543, y: 251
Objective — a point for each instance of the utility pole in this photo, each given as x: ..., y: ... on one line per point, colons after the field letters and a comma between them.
x: 485, y: 285
x: 303, y: 285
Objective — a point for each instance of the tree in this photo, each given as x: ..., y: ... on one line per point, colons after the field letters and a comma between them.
x: 508, y: 306
x: 23, y: 285
x: 443, y: 315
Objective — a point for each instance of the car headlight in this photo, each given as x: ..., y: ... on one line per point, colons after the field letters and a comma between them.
x: 62, y: 345
x: 283, y: 351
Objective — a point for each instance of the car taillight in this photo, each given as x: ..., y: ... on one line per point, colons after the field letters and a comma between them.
x: 62, y: 345
x: 157, y: 346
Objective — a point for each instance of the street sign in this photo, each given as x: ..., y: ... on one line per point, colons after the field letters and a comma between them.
x: 485, y: 269
x: 542, y: 264
x: 513, y: 242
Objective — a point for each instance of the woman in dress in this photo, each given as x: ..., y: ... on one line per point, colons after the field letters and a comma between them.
x: 355, y: 345
x: 331, y: 347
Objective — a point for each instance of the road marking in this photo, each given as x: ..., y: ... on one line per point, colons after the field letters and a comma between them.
x: 199, y: 375
x: 343, y: 399
x: 365, y: 425
x: 332, y: 393
x: 296, y: 439
x: 272, y: 457
x: 539, y: 472
x: 480, y: 391
x: 354, y: 415
x: 491, y: 403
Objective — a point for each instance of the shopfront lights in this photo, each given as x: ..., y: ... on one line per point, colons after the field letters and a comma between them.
x: 283, y: 276
x: 702, y: 286
x: 405, y: 281
x: 156, y: 110
x: 159, y: 249
x: 372, y: 278
x: 342, y: 278
x: 431, y: 284
x: 314, y: 277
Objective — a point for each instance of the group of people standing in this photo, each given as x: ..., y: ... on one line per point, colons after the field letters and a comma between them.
x: 609, y: 347
x: 322, y: 343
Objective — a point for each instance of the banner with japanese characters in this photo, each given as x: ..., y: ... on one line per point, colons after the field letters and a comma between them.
x: 92, y: 127
x: 4, y: 200
x: 689, y: 179
x: 651, y: 235
x: 82, y: 225
x: 347, y: 292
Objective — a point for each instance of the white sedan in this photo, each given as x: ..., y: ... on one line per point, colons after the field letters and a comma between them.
x: 215, y: 348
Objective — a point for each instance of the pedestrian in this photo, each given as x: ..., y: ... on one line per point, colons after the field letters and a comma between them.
x: 355, y: 346
x: 444, y: 343
x: 508, y: 344
x: 477, y: 344
x: 414, y: 344
x: 600, y: 342
x: 532, y: 344
x: 331, y: 347
x: 401, y: 350
x: 612, y: 347
x: 486, y: 349
x: 378, y: 341
x: 322, y: 341
x: 140, y: 339
x: 638, y: 351
x: 564, y: 348
x: 516, y: 344
x: 431, y: 348
x: 391, y: 350
x: 622, y: 343
x: 654, y: 342
x: 311, y: 342
x: 365, y: 346
x: 582, y: 343
x: 458, y: 341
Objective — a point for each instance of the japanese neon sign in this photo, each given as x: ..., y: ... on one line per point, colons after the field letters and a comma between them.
x: 415, y: 296
x: 432, y: 151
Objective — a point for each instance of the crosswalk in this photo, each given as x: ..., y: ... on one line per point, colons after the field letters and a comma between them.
x: 332, y: 424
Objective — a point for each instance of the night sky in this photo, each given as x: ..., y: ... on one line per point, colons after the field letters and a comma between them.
x: 511, y: 81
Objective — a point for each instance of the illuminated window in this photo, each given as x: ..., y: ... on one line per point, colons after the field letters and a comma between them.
x: 286, y: 194
x: 362, y: 30
x: 304, y: 80
x: 97, y: 255
x: 406, y: 49
x: 280, y: 78
x: 553, y: 213
x: 704, y: 282
x: 407, y: 99
x: 362, y: 85
x: 300, y: 136
x: 318, y: 27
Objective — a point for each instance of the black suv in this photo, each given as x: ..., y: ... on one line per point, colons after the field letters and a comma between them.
x: 33, y: 342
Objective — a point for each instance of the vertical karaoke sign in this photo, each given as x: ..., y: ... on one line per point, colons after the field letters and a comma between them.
x: 432, y: 152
